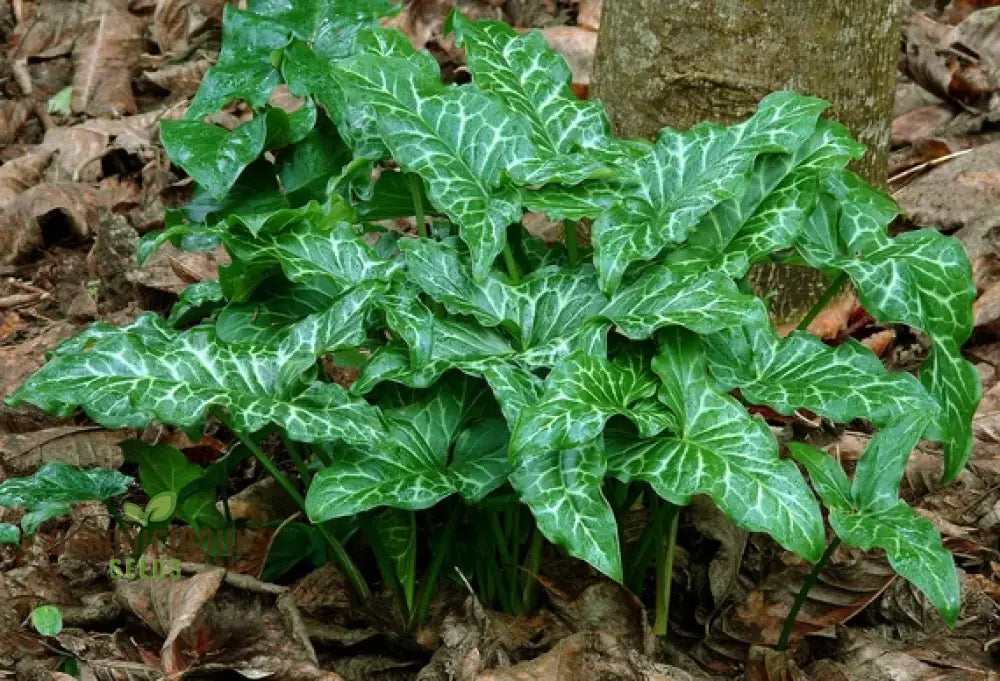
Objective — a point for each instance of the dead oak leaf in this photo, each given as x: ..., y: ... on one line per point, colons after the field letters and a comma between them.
x: 105, y: 57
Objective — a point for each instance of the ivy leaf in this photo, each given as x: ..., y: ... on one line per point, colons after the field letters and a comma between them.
x: 678, y: 294
x: 922, y: 279
x: 339, y: 327
x: 585, y: 200
x: 581, y: 393
x: 244, y: 69
x: 433, y: 345
x: 128, y: 379
x: 397, y: 530
x: 719, y: 450
x: 273, y: 308
x: 530, y: 79
x: 688, y: 174
x: 563, y: 489
x: 213, y: 156
x: 880, y: 469
x: 9, y: 534
x: 195, y: 303
x: 39, y: 513
x: 418, y: 474
x: 458, y: 139
x: 912, y: 546
x: 827, y: 476
x: 552, y: 311
x: 61, y: 483
x: 330, y: 26
x: 800, y: 371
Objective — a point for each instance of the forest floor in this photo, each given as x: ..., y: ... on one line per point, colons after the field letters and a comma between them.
x: 83, y: 175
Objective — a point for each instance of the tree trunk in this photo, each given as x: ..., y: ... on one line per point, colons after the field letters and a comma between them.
x: 677, y: 62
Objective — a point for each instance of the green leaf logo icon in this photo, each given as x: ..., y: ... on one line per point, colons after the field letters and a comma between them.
x: 134, y: 513
x: 161, y: 507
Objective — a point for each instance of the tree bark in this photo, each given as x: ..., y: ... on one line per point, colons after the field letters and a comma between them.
x: 677, y: 62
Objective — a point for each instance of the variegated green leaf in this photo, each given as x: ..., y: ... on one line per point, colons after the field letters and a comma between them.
x: 458, y: 139
x: 801, y: 372
x: 912, y: 546
x: 418, y: 473
x: 550, y: 312
x: 581, y: 393
x: 341, y: 326
x: 274, y: 306
x: 563, y: 489
x: 244, y: 69
x: 920, y: 278
x: 213, y: 156
x: 195, y: 303
x: 60, y: 483
x: 584, y: 200
x: 678, y: 294
x: 870, y: 515
x: 827, y: 475
x: 433, y: 345
x: 128, y: 379
x: 688, y: 174
x: 877, y: 477
x: 570, y: 136
x: 717, y: 449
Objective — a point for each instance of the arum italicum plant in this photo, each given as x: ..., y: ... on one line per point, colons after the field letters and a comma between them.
x: 497, y: 371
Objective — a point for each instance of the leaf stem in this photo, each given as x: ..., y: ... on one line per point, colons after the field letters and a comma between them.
x: 512, y: 268
x: 434, y: 569
x: 571, y: 245
x: 800, y: 598
x: 418, y: 204
x: 385, y: 564
x: 531, y: 566
x: 351, y: 571
x: 296, y: 456
x: 827, y: 296
x: 668, y: 516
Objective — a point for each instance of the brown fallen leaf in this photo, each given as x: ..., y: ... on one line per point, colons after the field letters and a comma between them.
x: 920, y: 123
x: 17, y: 362
x: 214, y: 621
x: 879, y: 343
x: 83, y: 447
x: 47, y: 213
x: 175, y: 22
x: 586, y: 655
x: 105, y: 57
x: 14, y: 113
x: 973, y: 182
x: 961, y: 9
x: 22, y: 173
x: 577, y: 45
x: 182, y: 80
x: 48, y: 30
x: 78, y: 152
x: 846, y: 586
x: 589, y: 14
x: 766, y: 664
x: 173, y: 270
x: 961, y: 64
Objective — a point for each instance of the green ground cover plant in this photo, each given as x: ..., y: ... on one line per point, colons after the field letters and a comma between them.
x: 498, y: 372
